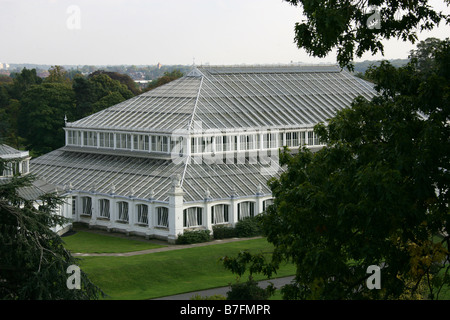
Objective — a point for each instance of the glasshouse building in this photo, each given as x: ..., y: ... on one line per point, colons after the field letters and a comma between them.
x: 195, y: 152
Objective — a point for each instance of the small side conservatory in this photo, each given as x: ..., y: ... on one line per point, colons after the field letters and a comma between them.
x: 17, y: 163
x: 196, y: 152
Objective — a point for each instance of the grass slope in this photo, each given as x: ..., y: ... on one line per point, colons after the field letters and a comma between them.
x: 166, y: 273
x: 88, y: 242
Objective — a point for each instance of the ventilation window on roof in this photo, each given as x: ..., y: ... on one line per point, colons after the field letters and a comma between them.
x: 292, y: 139
x: 106, y: 140
x: 90, y: 138
x: 160, y: 144
x: 74, y: 138
x: 269, y: 140
x: 123, y: 141
x: 140, y: 142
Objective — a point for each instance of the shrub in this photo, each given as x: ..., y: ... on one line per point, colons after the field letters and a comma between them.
x: 248, y: 227
x: 194, y: 236
x: 223, y: 232
x: 249, y: 290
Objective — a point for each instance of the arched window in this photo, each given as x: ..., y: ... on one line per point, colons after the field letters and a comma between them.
x: 104, y: 208
x: 162, y: 217
x: 219, y: 214
x: 86, y: 205
x: 142, y: 214
x: 192, y: 217
x: 246, y: 209
x: 122, y: 207
x: 266, y: 204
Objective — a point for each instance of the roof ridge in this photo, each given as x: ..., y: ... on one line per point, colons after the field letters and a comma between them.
x: 191, y: 123
x: 258, y: 68
x: 196, y: 102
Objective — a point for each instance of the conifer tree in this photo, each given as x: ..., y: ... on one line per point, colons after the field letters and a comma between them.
x: 33, y: 260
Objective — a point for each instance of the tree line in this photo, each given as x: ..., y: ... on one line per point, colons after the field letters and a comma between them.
x: 33, y: 110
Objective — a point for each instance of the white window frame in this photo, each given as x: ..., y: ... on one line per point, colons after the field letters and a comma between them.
x: 220, y: 216
x: 192, y: 217
x: 162, y: 217
x: 142, y: 213
x: 90, y: 139
x: 106, y: 140
x: 104, y: 208
x: 86, y: 205
x: 246, y: 209
x: 123, y: 211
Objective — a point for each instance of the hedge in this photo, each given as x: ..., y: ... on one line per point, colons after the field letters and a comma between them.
x: 194, y: 236
x: 247, y: 227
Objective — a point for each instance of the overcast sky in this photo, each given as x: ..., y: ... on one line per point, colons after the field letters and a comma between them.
x: 145, y: 32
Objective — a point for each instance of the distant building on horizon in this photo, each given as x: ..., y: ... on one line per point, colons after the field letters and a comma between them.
x: 196, y: 152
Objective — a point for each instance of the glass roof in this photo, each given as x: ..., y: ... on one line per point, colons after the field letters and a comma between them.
x: 146, y: 178
x: 224, y: 98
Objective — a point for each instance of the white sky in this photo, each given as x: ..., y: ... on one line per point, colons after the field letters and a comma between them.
x: 145, y: 32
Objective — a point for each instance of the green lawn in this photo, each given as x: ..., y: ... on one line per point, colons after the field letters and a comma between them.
x: 88, y: 242
x: 166, y: 273
x: 163, y: 273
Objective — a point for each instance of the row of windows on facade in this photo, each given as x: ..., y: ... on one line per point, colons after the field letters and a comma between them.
x: 192, y: 217
x: 168, y: 144
x: 14, y: 168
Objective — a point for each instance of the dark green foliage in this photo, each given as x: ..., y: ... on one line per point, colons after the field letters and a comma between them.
x: 223, y: 232
x: 194, y: 236
x: 376, y: 194
x: 166, y: 78
x: 41, y: 117
x: 122, y: 78
x: 355, y: 27
x: 23, y: 81
x: 248, y: 227
x: 249, y: 290
x: 97, y: 92
x: 32, y: 110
